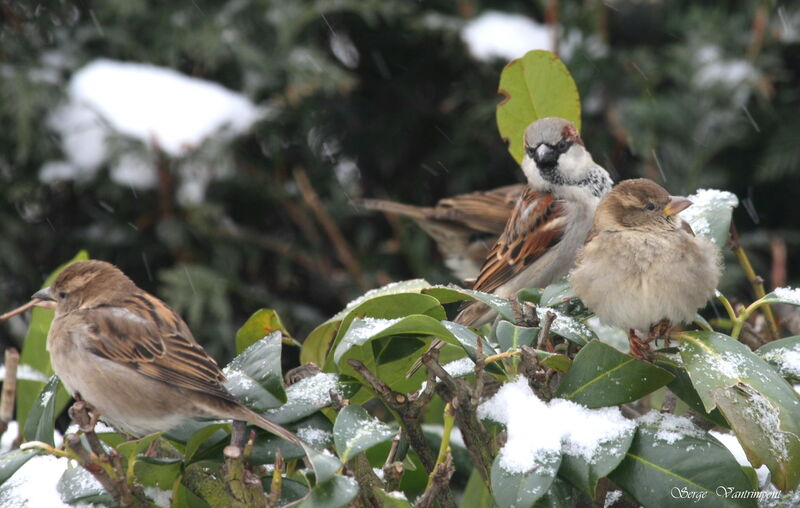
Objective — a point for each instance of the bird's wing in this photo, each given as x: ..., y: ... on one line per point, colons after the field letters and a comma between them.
x: 142, y: 333
x: 537, y: 223
x: 484, y: 211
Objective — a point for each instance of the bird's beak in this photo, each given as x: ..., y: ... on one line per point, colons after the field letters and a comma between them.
x: 545, y: 156
x: 676, y: 205
x: 44, y: 298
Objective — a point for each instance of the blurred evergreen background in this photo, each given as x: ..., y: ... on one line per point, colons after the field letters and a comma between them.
x: 375, y: 98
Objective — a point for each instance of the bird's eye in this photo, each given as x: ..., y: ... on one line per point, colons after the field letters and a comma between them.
x: 62, y: 294
x: 650, y: 207
x: 529, y: 150
x: 562, y: 145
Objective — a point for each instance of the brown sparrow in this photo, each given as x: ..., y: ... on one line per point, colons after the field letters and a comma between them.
x: 464, y: 227
x: 133, y: 358
x: 550, y: 220
x: 642, y: 268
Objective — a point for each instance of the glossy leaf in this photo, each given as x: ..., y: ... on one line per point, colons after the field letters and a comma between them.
x: 255, y: 376
x: 315, y: 347
x: 356, y: 431
x: 559, y: 496
x: 476, y: 495
x: 602, y: 376
x: 34, y: 354
x: 41, y: 420
x: 584, y: 474
x: 784, y: 355
x: 710, y: 214
x: 511, y: 336
x: 77, y: 485
x: 389, y: 347
x: 209, y: 435
x: 334, y: 493
x: 682, y: 386
x: 311, y: 394
x: 535, y: 86
x: 325, y: 465
x: 556, y: 293
x: 514, y: 489
x: 13, y: 460
x: 262, y: 323
x: 761, y: 407
x: 469, y: 341
x: 665, y: 467
x: 316, y: 431
x: 567, y: 327
x: 291, y: 490
x: 450, y: 294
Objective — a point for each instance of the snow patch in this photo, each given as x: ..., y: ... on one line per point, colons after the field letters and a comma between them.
x: 733, y: 445
x: 496, y: 34
x: 315, y: 437
x: 460, y: 367
x: 705, y: 202
x: 790, y: 295
x: 539, y: 431
x: 25, y: 372
x: 34, y: 484
x: 671, y: 428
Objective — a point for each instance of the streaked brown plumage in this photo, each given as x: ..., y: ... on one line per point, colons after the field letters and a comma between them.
x: 132, y: 357
x: 464, y: 226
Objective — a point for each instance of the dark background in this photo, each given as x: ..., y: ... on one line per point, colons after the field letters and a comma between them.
x: 659, y: 80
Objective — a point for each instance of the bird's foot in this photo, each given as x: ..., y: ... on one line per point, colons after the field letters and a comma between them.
x: 639, y: 349
x: 84, y: 414
x: 658, y: 331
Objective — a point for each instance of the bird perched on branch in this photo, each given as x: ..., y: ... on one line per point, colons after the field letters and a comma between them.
x: 550, y: 220
x: 642, y: 267
x: 132, y: 357
x: 464, y: 226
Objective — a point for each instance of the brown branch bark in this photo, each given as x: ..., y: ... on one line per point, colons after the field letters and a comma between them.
x: 9, y: 389
x: 441, y: 481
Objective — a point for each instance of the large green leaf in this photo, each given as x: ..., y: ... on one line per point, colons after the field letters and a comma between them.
x: 324, y: 464
x: 683, y: 388
x: 41, y: 420
x: 584, y: 474
x: 13, y: 460
x: 450, y: 294
x: 262, y: 323
x: 315, y: 347
x: 784, y: 354
x: 602, y: 376
x: 535, y: 86
x: 511, y: 336
x: 761, y: 407
x: 34, y: 354
x: 710, y: 214
x: 567, y: 327
x: 356, y: 431
x: 311, y: 394
x: 316, y: 431
x: 255, y: 376
x: 388, y: 346
x: 516, y: 489
x: 671, y: 462
x: 559, y: 496
x: 77, y: 485
x: 334, y: 493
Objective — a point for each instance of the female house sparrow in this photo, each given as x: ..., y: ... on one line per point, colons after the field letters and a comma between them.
x: 133, y: 358
x: 642, y: 268
x: 464, y: 227
x: 549, y: 222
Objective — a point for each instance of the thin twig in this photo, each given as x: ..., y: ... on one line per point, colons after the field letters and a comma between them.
x: 544, y: 333
x: 341, y: 245
x: 277, y: 479
x: 755, y: 281
x: 441, y: 480
x: 19, y: 310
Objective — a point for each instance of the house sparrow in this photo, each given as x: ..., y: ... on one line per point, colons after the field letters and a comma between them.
x: 464, y: 227
x: 549, y: 222
x: 133, y: 358
x: 642, y: 268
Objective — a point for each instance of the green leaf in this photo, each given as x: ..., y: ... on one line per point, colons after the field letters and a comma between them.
x: 325, y: 465
x: 584, y: 474
x: 356, y: 431
x: 311, y: 394
x: 535, y: 86
x: 130, y: 450
x: 469, y: 341
x: 388, y: 347
x: 559, y: 496
x: 255, y: 376
x: 669, y: 465
x: 316, y: 431
x: 392, y: 500
x: 13, y: 460
x: 710, y: 214
x: 476, y: 495
x: 315, y: 347
x: 567, y: 327
x: 262, y: 323
x: 291, y: 490
x: 158, y: 473
x: 762, y: 408
x: 783, y: 295
x: 682, y: 386
x: 602, y: 376
x: 511, y: 336
x: 34, y: 355
x: 77, y: 485
x: 450, y: 294
x: 209, y: 435
x: 784, y: 354
x: 335, y: 493
x: 41, y: 420
x: 554, y: 361
x: 556, y: 293
x: 511, y: 489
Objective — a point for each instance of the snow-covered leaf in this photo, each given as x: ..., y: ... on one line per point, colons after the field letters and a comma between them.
x: 535, y: 86
x: 602, y: 376
x: 511, y: 489
x: 255, y: 376
x: 670, y: 457
x: 13, y: 460
x: 311, y: 394
x: 469, y: 341
x: 450, y: 294
x: 356, y: 431
x: 77, y: 485
x: 710, y: 214
x: 324, y: 463
x: 584, y: 474
x: 761, y: 407
x: 682, y: 387
x: 784, y: 354
x: 41, y: 420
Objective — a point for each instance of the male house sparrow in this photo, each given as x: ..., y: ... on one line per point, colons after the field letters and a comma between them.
x: 642, y: 268
x: 549, y: 222
x: 464, y: 226
x: 133, y: 358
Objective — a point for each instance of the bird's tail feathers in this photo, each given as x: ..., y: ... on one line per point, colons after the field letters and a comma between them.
x: 381, y: 205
